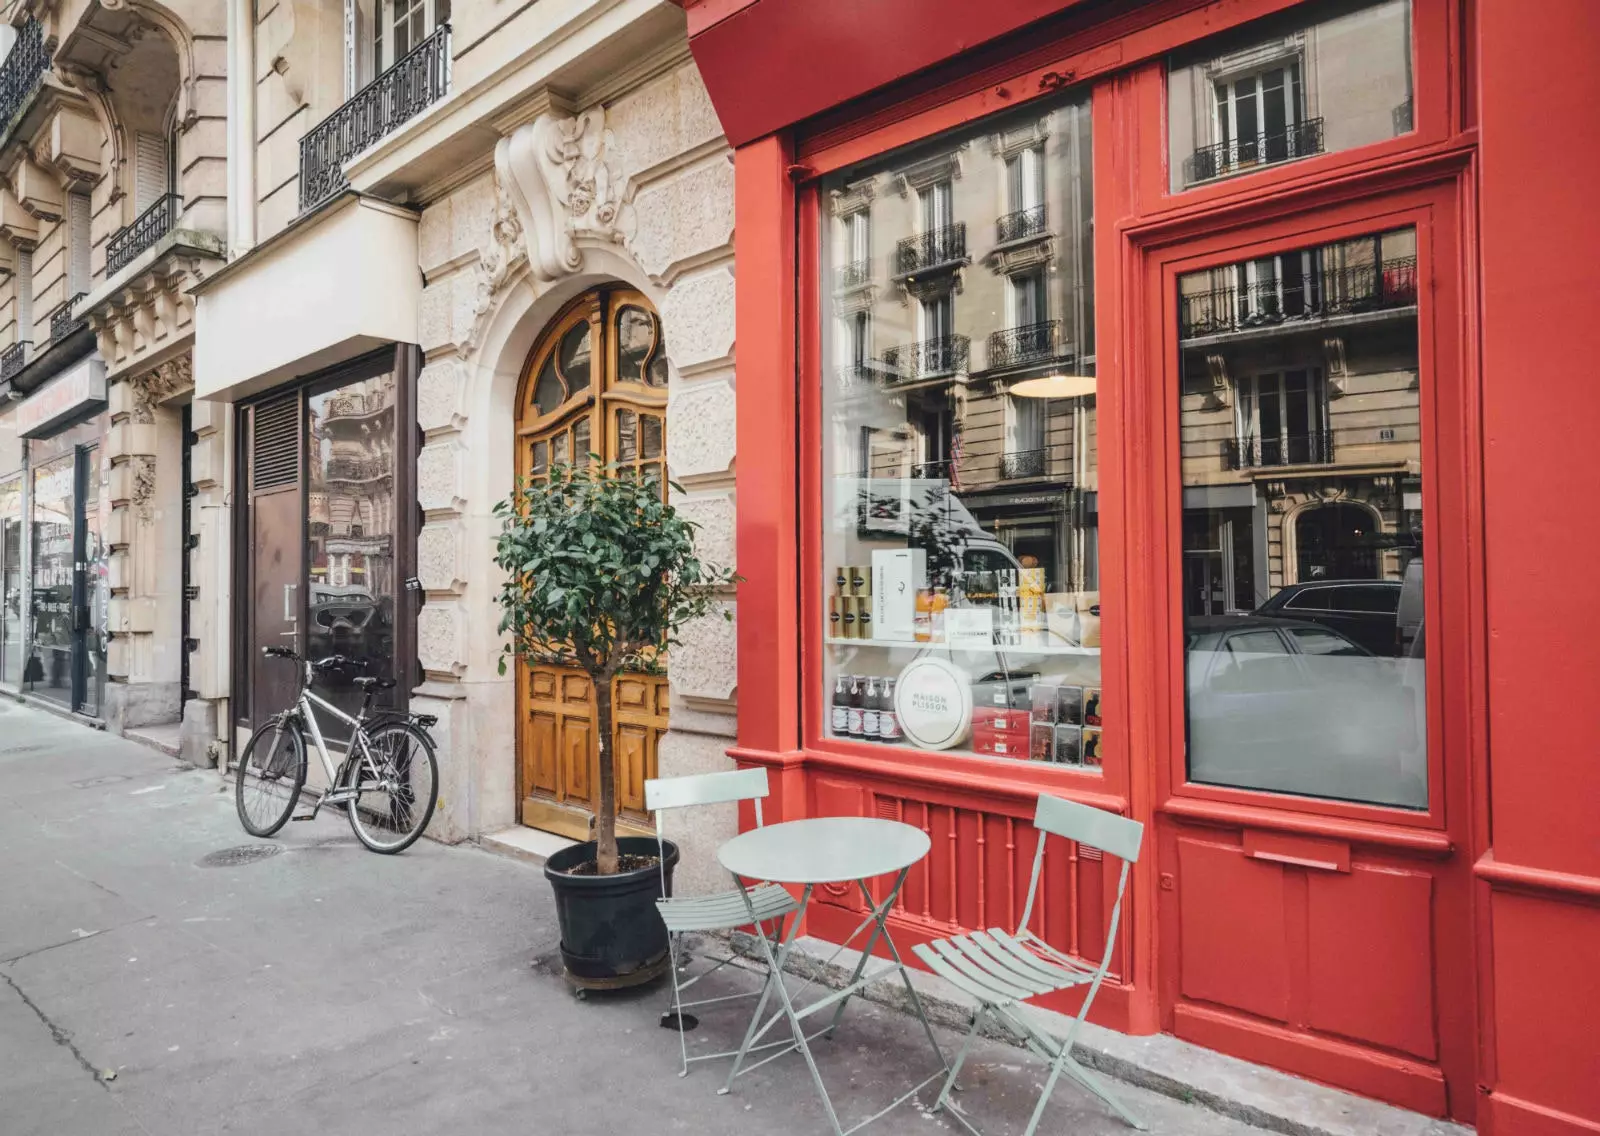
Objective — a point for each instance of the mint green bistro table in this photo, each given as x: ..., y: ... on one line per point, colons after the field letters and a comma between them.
x: 826, y: 850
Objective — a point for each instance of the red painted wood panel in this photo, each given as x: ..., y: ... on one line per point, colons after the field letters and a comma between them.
x: 1232, y: 928
x: 1370, y: 971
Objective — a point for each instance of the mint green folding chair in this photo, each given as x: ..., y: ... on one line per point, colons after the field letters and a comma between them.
x: 1002, y: 970
x: 724, y: 911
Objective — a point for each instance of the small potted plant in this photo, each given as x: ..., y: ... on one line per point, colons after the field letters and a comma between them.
x: 601, y: 574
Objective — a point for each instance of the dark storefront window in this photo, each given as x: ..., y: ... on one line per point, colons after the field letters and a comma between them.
x: 50, y: 666
x: 1300, y: 414
x: 1326, y: 78
x: 961, y: 583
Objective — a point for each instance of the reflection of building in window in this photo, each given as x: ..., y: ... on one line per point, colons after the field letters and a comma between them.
x: 1300, y: 421
x: 1291, y: 87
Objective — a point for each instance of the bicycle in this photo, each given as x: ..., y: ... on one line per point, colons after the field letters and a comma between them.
x: 388, y: 782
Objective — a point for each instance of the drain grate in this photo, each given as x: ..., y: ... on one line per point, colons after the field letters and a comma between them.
x: 235, y: 857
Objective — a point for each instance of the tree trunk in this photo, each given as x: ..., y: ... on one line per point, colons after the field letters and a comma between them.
x: 605, y: 821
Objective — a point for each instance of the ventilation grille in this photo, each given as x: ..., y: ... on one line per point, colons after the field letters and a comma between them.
x: 275, y: 444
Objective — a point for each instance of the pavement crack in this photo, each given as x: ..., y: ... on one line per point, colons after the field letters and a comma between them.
x: 83, y: 938
x: 60, y: 1034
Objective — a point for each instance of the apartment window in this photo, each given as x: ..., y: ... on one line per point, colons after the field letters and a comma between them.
x: 1282, y: 418
x: 77, y: 244
x: 1025, y: 180
x: 152, y: 169
x: 1029, y: 304
x: 403, y: 24
x: 1314, y: 80
x: 24, y: 295
x: 1024, y: 425
x: 936, y: 317
x: 860, y: 230
x: 937, y: 207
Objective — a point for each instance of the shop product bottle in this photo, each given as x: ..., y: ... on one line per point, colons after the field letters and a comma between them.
x: 839, y: 720
x: 922, y: 617
x: 870, y: 704
x: 888, y: 719
x: 856, y: 726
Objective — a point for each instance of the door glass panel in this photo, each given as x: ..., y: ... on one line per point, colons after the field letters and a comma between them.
x: 541, y: 457
x: 580, y: 439
x: 575, y: 358
x: 351, y: 592
x: 960, y: 596
x: 636, y: 338
x: 649, y: 436
x: 49, y: 667
x: 627, y: 436
x: 1318, y: 686
x: 547, y: 392
x: 560, y: 452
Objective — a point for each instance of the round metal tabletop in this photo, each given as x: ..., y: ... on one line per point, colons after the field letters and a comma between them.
x: 824, y: 850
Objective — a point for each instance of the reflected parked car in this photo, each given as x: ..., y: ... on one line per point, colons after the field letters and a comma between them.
x: 1294, y: 706
x: 1363, y: 611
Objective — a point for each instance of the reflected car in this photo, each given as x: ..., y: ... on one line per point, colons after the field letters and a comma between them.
x: 349, y: 622
x: 1360, y: 610
x: 1295, y: 706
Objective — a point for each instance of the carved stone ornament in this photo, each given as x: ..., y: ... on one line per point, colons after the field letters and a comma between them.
x: 554, y: 171
x: 155, y: 386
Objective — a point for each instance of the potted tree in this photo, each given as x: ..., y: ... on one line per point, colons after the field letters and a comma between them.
x: 601, y: 574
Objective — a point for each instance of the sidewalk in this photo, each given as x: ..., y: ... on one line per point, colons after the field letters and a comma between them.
x: 161, y: 972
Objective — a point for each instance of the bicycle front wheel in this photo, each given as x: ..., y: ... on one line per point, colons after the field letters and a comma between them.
x: 396, y: 787
x: 269, y: 777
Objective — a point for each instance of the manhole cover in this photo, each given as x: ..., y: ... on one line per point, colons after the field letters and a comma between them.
x: 233, y: 857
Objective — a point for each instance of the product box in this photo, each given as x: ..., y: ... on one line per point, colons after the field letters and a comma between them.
x: 1006, y: 694
x: 1042, y: 699
x: 1069, y: 705
x: 897, y: 575
x: 969, y: 627
x: 1091, y: 706
x: 1000, y: 745
x: 860, y: 581
x: 999, y: 719
x: 850, y: 606
x: 1042, y: 742
x: 836, y: 617
x: 1091, y: 748
x: 1069, y: 745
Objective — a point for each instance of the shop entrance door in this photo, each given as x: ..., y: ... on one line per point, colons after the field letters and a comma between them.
x: 1314, y: 896
x: 594, y: 387
x: 272, y: 571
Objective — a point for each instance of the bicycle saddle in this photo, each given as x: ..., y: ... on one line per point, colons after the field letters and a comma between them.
x: 367, y: 682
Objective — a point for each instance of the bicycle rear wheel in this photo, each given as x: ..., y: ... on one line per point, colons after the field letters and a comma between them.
x: 269, y: 777
x: 396, y: 787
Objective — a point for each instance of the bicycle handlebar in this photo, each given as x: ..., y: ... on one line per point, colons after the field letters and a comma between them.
x: 332, y: 662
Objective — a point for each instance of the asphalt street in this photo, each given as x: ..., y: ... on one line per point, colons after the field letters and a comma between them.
x: 161, y: 972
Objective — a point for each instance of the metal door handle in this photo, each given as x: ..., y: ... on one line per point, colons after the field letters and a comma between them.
x: 289, y: 615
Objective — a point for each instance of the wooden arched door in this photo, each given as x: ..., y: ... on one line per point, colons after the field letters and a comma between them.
x: 595, y: 387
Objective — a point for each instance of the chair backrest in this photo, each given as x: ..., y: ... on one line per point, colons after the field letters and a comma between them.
x: 1087, y: 825
x: 705, y: 789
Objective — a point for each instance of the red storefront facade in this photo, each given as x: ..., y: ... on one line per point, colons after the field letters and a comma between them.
x: 1323, y: 331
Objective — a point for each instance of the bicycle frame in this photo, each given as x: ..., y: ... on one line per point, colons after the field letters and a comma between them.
x: 305, y: 708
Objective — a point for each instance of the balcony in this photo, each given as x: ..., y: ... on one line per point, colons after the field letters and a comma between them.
x: 1021, y: 225
x: 1293, y: 449
x: 934, y: 249
x: 148, y: 228
x: 24, y: 66
x: 61, y: 322
x: 13, y: 359
x: 931, y: 471
x: 358, y: 469
x: 1019, y: 346
x: 1271, y: 303
x: 417, y: 81
x: 1024, y: 463
x: 853, y: 275
x: 1243, y: 154
x: 943, y: 357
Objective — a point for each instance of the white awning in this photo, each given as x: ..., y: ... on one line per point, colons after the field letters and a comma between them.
x: 324, y: 290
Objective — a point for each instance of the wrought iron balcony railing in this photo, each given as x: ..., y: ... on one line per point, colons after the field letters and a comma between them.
x: 13, y: 359
x: 936, y: 248
x: 1016, y: 346
x: 1024, y: 463
x: 61, y: 322
x: 928, y: 359
x: 1021, y: 224
x: 1266, y: 303
x: 931, y: 471
x: 419, y: 79
x: 1294, y: 449
x: 1299, y: 141
x: 24, y: 66
x: 147, y: 228
x: 854, y: 274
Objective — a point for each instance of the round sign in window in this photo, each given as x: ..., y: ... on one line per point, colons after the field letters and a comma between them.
x: 933, y: 699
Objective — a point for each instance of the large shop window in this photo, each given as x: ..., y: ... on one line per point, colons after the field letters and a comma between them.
x: 1300, y: 416
x: 1319, y: 79
x: 960, y: 545
x: 11, y: 622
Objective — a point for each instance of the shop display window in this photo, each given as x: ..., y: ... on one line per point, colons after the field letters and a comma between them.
x: 1317, y: 80
x: 11, y: 623
x: 1300, y: 419
x: 961, y: 587
x: 50, y: 668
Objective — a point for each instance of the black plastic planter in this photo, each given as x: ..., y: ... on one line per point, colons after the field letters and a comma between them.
x: 611, y: 933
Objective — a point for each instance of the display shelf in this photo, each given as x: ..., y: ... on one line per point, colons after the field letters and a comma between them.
x: 991, y: 649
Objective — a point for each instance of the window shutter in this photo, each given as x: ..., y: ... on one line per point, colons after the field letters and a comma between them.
x: 78, y: 240
x: 275, y: 444
x: 24, y: 295
x: 150, y: 170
